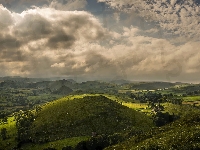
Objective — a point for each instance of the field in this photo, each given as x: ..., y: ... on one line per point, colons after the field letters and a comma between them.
x: 191, y: 98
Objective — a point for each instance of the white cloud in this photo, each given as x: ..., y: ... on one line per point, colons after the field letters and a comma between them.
x: 181, y: 18
x: 5, y: 18
x: 59, y: 65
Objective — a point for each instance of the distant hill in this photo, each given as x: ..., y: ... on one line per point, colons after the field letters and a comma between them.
x: 22, y: 79
x: 121, y: 81
x: 152, y: 85
x: 72, y: 117
x: 63, y: 90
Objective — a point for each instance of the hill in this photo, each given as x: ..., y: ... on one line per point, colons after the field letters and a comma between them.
x: 121, y: 81
x: 152, y: 85
x: 181, y: 134
x: 66, y: 118
x: 63, y: 90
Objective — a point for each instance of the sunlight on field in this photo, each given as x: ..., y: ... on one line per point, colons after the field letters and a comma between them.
x: 142, y: 107
x: 135, y: 105
x: 191, y: 98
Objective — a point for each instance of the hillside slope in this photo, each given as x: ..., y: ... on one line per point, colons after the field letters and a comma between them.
x: 81, y: 116
x: 183, y: 134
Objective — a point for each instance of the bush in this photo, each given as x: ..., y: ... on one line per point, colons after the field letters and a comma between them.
x: 4, y: 133
x: 81, y: 146
x: 67, y: 148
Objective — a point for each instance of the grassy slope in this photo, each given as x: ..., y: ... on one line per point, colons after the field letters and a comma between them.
x: 80, y: 116
x: 181, y: 134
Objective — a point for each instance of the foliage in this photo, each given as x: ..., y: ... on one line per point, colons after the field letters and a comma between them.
x: 100, y: 142
x: 161, y: 118
x: 4, y: 133
x: 59, y: 144
x: 11, y: 132
x: 24, y: 120
x: 181, y: 134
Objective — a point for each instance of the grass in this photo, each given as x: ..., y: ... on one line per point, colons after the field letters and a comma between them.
x: 135, y: 105
x: 142, y: 107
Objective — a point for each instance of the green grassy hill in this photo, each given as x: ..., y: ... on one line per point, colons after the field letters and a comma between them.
x: 183, y: 134
x: 73, y: 117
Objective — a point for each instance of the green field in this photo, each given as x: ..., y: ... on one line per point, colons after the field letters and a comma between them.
x: 191, y: 98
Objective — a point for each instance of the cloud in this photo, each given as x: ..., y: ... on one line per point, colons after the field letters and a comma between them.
x: 33, y: 36
x: 21, y: 5
x: 181, y: 18
x: 68, y: 4
x: 49, y: 42
x: 5, y: 18
x: 60, y: 65
x: 56, y: 28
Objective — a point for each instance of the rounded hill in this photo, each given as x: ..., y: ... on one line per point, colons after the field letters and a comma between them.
x: 73, y: 117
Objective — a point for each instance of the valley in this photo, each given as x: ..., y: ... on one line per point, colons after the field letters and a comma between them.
x: 67, y: 115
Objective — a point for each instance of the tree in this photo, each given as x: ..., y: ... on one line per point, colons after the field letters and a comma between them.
x: 24, y: 120
x: 5, y: 119
x: 4, y: 133
x: 161, y: 119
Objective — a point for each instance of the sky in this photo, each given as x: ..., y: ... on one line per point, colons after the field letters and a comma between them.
x: 140, y: 40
